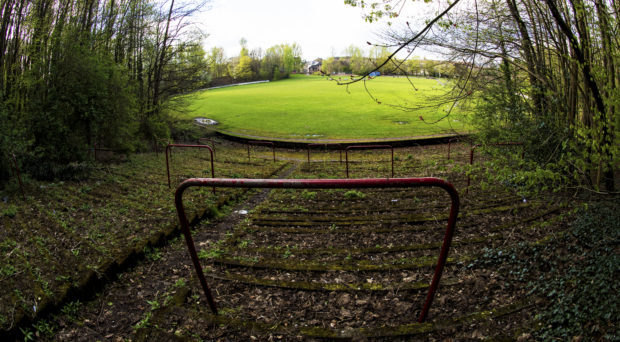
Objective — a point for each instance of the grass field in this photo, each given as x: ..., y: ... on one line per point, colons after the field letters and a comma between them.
x: 313, y: 108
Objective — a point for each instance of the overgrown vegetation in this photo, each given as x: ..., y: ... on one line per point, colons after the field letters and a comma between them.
x: 78, y: 231
x: 574, y: 272
x: 76, y: 74
x: 543, y: 73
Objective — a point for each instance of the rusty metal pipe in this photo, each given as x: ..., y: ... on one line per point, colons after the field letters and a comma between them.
x: 367, y: 147
x: 322, y: 184
x: 169, y: 149
x: 200, y: 140
x: 265, y: 143
x: 450, y: 143
x: 325, y: 148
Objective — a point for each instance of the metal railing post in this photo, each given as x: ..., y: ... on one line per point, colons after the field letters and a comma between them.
x: 367, y: 147
x: 450, y: 143
x: 200, y: 140
x: 266, y: 143
x: 169, y: 151
x: 473, y: 148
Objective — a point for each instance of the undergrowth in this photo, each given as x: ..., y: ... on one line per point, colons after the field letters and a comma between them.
x: 574, y: 273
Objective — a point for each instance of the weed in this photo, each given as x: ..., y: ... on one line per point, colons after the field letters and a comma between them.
x: 210, y: 253
x: 28, y: 334
x: 10, y: 211
x: 167, y: 299
x: 144, y: 322
x: 63, y: 278
x: 154, y: 304
x: 152, y: 254
x: 7, y: 270
x: 180, y: 282
x: 287, y: 253
x: 71, y: 309
x: 44, y: 328
x: 308, y: 195
x: 354, y: 194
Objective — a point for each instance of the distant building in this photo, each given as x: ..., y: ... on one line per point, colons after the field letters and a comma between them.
x: 314, y: 66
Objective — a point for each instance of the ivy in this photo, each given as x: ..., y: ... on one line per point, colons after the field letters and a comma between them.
x: 575, y: 273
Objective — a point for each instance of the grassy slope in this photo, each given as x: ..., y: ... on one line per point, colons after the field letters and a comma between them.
x: 309, y: 107
x: 66, y: 232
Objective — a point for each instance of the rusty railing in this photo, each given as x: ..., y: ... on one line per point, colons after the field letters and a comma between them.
x: 321, y: 184
x: 265, y: 143
x: 367, y: 147
x: 450, y: 143
x: 96, y: 148
x: 325, y: 148
x: 168, y: 151
x: 474, y: 147
x: 202, y: 140
x: 155, y: 141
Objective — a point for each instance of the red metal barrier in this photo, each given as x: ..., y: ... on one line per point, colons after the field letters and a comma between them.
x: 325, y: 145
x: 322, y: 184
x: 155, y: 140
x: 15, y: 169
x: 95, y: 148
x: 169, y: 148
x: 367, y: 147
x: 200, y: 141
x: 450, y: 143
x: 266, y: 143
x: 474, y: 147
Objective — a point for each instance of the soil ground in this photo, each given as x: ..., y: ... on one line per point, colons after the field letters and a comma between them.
x: 331, y: 264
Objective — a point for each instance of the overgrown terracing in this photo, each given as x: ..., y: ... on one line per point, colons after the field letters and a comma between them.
x: 67, y: 238
x: 336, y: 264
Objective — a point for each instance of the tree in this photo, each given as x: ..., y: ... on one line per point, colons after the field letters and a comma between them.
x: 76, y: 72
x: 216, y: 62
x: 280, y: 60
x: 243, y: 69
x: 546, y: 73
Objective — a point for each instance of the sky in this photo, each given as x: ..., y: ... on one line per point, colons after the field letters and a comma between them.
x: 322, y: 28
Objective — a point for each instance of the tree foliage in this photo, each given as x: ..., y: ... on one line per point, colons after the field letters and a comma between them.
x: 78, y: 72
x: 541, y: 72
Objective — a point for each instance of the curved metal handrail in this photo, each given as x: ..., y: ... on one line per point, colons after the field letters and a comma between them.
x: 321, y: 184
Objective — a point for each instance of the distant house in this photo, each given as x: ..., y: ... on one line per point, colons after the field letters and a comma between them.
x: 314, y: 66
